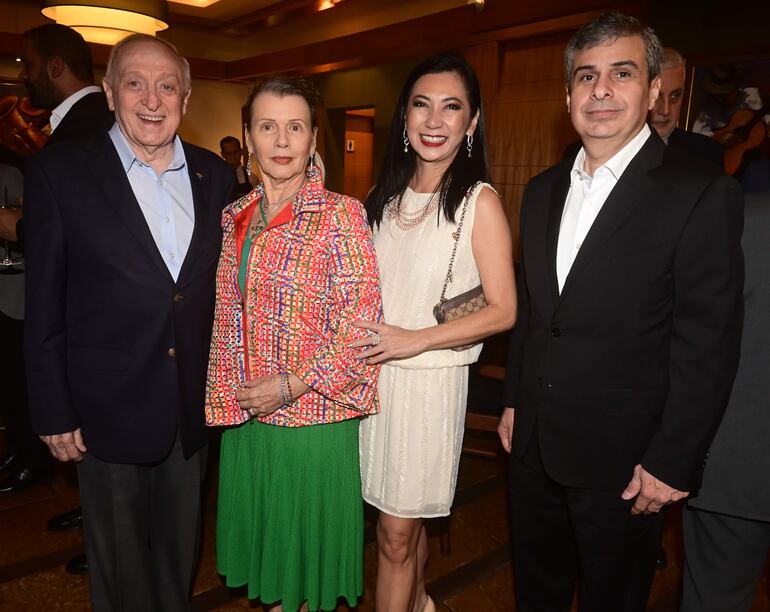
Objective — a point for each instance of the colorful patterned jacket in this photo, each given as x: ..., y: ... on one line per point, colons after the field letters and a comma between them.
x: 311, y: 273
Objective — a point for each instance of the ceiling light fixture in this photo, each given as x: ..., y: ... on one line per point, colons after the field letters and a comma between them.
x: 327, y: 4
x: 108, y: 21
x: 199, y: 3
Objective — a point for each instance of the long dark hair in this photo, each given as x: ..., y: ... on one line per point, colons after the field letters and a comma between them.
x: 398, y: 167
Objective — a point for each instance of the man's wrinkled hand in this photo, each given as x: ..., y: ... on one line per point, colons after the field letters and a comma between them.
x: 651, y: 494
x: 66, y: 446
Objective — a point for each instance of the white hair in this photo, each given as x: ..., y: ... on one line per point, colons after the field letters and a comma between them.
x: 184, y: 67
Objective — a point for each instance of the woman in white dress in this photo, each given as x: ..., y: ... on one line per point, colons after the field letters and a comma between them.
x: 430, y: 194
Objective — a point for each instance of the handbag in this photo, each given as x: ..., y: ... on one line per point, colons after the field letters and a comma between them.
x: 466, y: 303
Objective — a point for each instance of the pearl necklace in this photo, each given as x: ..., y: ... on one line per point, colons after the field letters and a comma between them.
x: 407, y: 220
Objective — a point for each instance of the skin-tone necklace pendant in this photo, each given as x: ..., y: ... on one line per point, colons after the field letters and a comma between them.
x: 265, y: 208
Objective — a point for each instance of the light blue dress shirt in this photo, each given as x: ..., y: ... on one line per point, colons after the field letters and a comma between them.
x: 166, y: 200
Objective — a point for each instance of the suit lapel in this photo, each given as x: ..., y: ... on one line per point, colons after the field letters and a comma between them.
x: 114, y: 183
x: 556, y: 208
x: 624, y: 199
x: 199, y: 182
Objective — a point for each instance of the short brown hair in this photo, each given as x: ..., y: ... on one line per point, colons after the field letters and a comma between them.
x: 282, y: 87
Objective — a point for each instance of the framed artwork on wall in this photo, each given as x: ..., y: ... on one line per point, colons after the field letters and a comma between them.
x: 23, y: 128
x: 730, y: 102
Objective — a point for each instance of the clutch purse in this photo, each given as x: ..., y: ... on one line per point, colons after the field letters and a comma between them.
x: 466, y: 303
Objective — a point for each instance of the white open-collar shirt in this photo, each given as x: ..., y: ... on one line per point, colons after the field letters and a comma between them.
x: 585, y: 198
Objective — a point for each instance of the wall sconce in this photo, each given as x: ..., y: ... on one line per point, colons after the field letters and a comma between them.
x: 108, y: 21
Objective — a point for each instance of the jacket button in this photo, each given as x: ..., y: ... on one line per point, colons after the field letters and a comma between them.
x: 541, y: 382
x: 555, y: 332
x: 178, y: 297
x: 171, y: 352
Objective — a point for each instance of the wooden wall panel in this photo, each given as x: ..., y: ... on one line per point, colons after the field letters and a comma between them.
x: 529, y: 126
x: 358, y: 164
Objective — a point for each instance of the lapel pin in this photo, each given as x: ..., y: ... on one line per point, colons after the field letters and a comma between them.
x: 199, y: 175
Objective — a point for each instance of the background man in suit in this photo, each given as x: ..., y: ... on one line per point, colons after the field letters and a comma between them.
x: 58, y: 74
x: 664, y: 119
x: 123, y: 238
x: 627, y: 338
x: 232, y: 153
x: 664, y: 116
x: 727, y: 525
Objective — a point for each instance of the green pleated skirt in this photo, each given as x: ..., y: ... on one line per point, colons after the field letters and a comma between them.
x: 290, y: 514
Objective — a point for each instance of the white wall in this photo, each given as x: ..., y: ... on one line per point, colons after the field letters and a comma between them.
x: 213, y: 113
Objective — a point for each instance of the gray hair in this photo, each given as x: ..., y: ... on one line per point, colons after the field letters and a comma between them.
x: 671, y: 59
x: 607, y: 28
x: 184, y: 67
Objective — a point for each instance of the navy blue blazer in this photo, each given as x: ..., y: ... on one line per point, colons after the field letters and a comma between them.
x: 112, y: 344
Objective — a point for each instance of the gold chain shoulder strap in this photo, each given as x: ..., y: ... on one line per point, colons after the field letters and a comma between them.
x: 456, y: 236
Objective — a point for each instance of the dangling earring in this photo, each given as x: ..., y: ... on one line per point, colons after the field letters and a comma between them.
x: 311, y: 160
x: 406, y: 140
x: 248, y: 164
x: 469, y: 146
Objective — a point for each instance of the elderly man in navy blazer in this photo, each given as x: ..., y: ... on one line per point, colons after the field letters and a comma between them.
x: 122, y: 240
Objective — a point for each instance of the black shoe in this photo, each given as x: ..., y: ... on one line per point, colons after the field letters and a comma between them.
x: 77, y: 565
x: 21, y: 478
x: 72, y: 519
x: 8, y: 460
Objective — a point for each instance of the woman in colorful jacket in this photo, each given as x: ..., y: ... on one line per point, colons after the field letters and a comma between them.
x: 297, y: 269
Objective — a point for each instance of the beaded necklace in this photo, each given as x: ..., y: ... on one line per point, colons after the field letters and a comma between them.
x: 407, y: 220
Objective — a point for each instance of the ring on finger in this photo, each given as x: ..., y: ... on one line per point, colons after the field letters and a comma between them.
x: 375, y: 338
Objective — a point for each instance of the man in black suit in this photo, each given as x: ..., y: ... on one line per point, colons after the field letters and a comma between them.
x: 58, y: 75
x: 627, y: 336
x: 727, y: 524
x: 664, y: 116
x: 123, y: 238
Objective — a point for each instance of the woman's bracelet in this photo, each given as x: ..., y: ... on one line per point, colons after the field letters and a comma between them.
x: 289, y: 392
x: 283, y: 387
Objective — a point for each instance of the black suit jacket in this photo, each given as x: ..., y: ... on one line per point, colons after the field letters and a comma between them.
x: 86, y: 118
x: 112, y: 344
x: 698, y: 145
x: 633, y: 361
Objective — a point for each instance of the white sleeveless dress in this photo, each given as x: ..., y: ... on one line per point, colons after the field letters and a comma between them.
x: 410, y: 451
